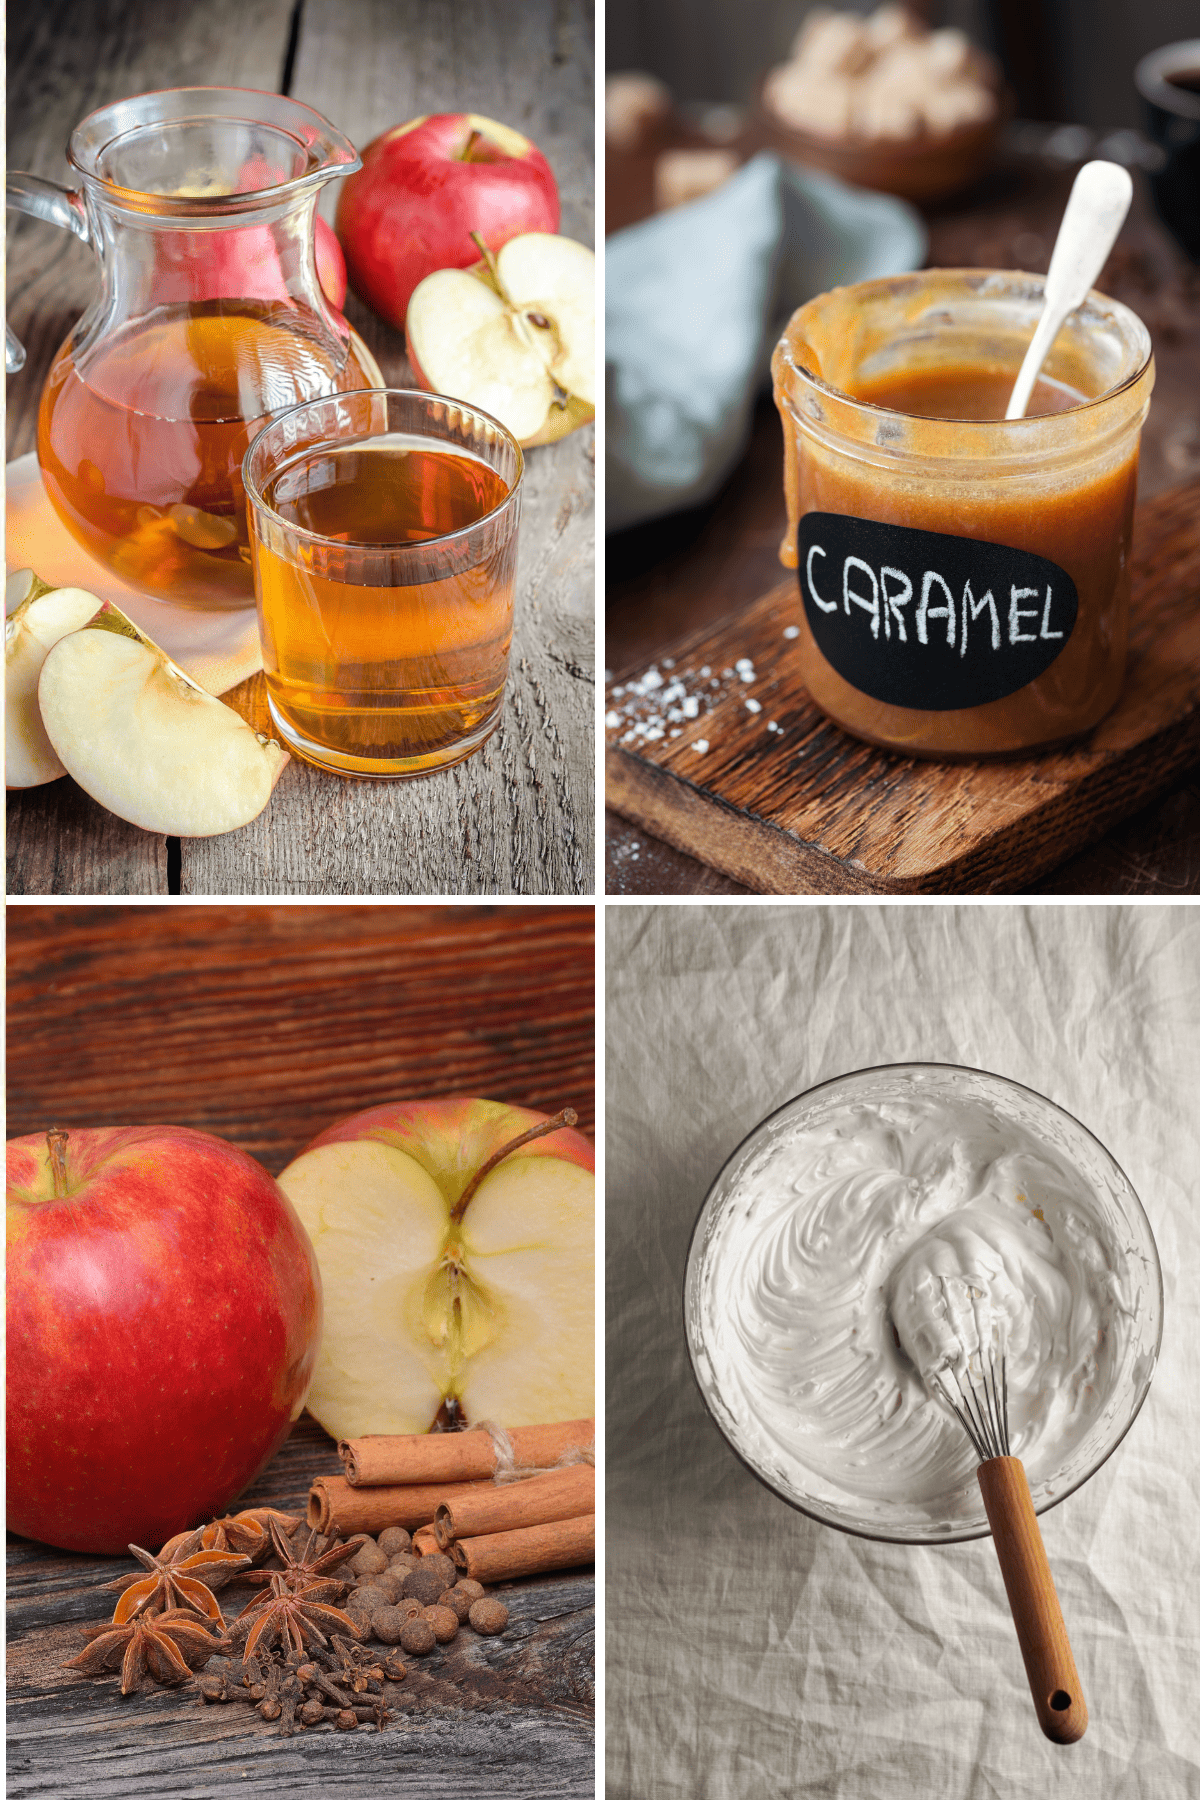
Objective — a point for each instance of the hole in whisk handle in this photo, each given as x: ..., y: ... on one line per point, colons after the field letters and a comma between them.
x: 1059, y: 1700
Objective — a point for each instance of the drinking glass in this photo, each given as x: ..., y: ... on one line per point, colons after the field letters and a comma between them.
x: 383, y: 534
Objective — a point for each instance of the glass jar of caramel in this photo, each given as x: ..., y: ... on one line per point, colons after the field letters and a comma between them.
x: 964, y: 580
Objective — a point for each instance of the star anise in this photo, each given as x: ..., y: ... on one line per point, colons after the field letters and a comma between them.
x: 169, y: 1644
x: 300, y: 1571
x: 246, y: 1532
x: 291, y: 1617
x: 182, y: 1577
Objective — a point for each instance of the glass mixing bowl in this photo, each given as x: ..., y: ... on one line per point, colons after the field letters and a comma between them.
x: 958, y: 1513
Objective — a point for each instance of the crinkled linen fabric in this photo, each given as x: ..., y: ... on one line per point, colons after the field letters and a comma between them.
x: 751, y: 1651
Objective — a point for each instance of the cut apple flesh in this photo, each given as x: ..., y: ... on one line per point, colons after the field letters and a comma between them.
x: 495, y: 1312
x: 519, y: 343
x: 143, y: 739
x: 36, y: 617
x: 553, y: 278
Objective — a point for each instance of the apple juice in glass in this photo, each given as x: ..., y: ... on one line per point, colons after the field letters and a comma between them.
x: 383, y: 532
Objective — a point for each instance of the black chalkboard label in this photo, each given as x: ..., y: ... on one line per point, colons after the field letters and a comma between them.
x: 928, y: 620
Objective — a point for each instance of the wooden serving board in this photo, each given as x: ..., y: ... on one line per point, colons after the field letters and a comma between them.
x: 806, y: 809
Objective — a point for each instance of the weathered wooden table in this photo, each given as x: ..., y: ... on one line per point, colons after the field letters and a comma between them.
x: 263, y: 1024
x: 518, y: 817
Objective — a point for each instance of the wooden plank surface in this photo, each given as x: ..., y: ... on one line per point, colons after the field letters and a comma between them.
x: 807, y: 809
x: 264, y: 1024
x: 519, y: 816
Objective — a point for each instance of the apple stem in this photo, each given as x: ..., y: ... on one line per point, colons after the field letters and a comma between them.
x: 56, y: 1144
x: 568, y: 1116
x: 470, y: 145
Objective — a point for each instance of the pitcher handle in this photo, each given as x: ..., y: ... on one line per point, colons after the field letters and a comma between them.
x: 57, y: 205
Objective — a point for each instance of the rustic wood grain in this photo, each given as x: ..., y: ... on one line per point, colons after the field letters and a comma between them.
x: 518, y: 817
x: 265, y: 1024
x: 481, y: 1716
x: 814, y: 811
x: 60, y: 842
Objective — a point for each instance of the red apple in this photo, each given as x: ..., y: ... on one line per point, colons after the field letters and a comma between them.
x: 331, y: 264
x: 458, y: 1266
x: 424, y: 188
x: 164, y: 1318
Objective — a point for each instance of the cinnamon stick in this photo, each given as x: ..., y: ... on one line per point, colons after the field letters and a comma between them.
x: 503, y: 1555
x: 457, y: 1455
x: 335, y: 1506
x: 560, y: 1494
x: 424, y: 1541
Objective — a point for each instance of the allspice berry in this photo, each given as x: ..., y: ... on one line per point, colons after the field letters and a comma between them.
x: 444, y: 1622
x: 369, y: 1560
x: 393, y: 1540
x: 388, y: 1583
x: 424, y: 1584
x: 364, y: 1600
x: 489, y: 1617
x: 403, y: 1564
x: 443, y: 1566
x: 411, y: 1607
x: 387, y: 1622
x: 417, y: 1637
x: 472, y: 1589
x: 459, y: 1603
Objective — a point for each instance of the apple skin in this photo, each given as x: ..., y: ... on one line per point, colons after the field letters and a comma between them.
x: 451, y: 1139
x: 413, y: 205
x: 164, y: 1321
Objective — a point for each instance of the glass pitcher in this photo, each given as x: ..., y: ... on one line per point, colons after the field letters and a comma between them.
x: 199, y: 203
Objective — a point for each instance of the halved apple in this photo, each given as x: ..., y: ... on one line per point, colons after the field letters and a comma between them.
x: 145, y: 740
x: 515, y: 335
x: 457, y: 1263
x: 36, y: 616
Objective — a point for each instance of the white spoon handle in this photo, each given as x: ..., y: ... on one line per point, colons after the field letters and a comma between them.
x: 1095, y: 213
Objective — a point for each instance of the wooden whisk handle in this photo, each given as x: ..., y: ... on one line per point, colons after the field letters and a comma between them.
x: 1053, y: 1677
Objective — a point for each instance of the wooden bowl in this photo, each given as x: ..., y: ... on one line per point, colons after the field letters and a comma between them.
x: 921, y: 169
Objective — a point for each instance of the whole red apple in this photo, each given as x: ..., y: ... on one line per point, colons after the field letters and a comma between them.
x: 164, y: 1319
x: 424, y: 188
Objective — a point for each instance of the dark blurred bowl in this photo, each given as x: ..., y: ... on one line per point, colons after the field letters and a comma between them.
x: 1173, y: 121
x: 921, y: 169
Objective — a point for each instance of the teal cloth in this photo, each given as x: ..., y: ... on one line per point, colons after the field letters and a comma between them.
x: 695, y: 299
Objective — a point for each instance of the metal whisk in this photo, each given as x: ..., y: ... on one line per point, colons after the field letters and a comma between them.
x: 982, y: 1411
x: 986, y: 1425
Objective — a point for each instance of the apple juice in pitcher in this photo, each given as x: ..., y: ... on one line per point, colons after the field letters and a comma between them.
x: 141, y: 450
x: 385, y: 557
x: 200, y: 206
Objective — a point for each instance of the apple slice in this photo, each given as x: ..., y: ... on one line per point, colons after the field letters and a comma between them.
x: 457, y: 1262
x: 145, y: 740
x: 515, y: 335
x: 36, y: 616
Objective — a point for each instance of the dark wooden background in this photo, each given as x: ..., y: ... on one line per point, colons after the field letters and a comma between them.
x: 518, y: 817
x: 264, y: 1024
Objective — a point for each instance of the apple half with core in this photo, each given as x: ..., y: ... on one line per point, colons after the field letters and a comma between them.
x: 164, y: 1314
x: 456, y: 1241
x: 145, y: 740
x: 514, y: 335
x: 36, y: 616
x: 423, y: 188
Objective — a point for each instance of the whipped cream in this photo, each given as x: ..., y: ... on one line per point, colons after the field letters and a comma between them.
x: 860, y: 1259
